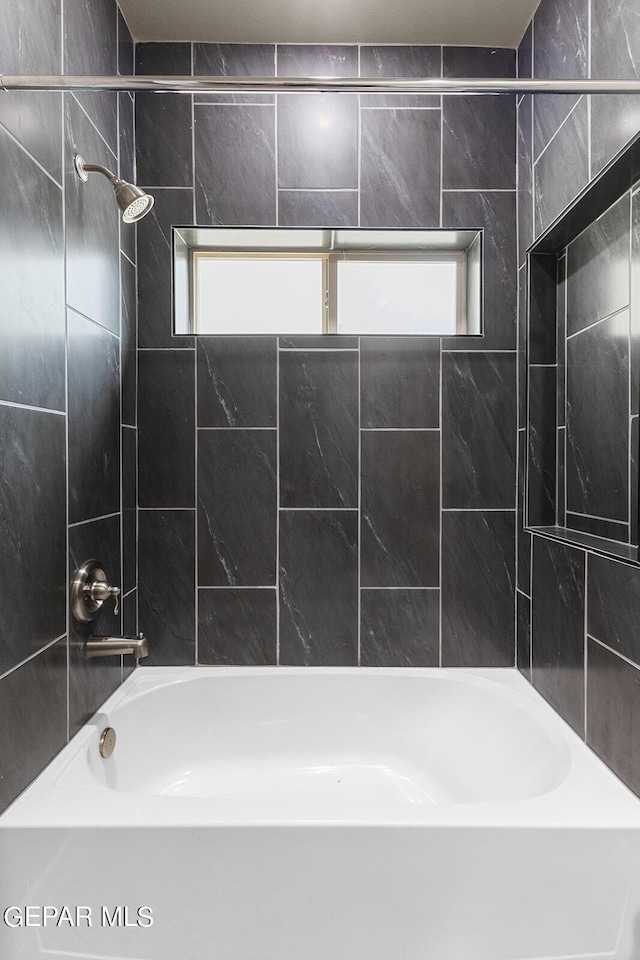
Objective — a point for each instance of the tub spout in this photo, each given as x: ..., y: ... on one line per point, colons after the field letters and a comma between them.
x: 114, y: 646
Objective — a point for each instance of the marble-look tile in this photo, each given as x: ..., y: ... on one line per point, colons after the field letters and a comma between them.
x: 562, y: 170
x: 478, y: 587
x: 635, y: 304
x: 312, y: 60
x: 235, y: 164
x: 237, y: 381
x: 597, y: 527
x: 129, y: 504
x: 32, y: 507
x: 399, y: 61
x: 166, y: 428
x: 234, y: 60
x: 479, y: 143
x: 166, y: 585
x: 541, y: 488
x: 523, y: 538
x: 35, y: 119
x: 399, y: 628
x: 92, y: 681
x: 399, y: 382
x: 634, y: 488
x: 94, y: 419
x: 487, y: 62
x: 400, y: 522
x: 331, y: 341
x: 615, y: 119
x: 91, y: 47
x: 91, y: 223
x: 400, y: 168
x: 32, y: 257
x: 543, y: 284
x: 495, y: 213
x: 561, y: 342
x: 613, y: 606
x: 613, y: 716
x: 598, y: 420
x: 318, y: 429
x: 525, y: 178
x: 125, y: 48
x: 128, y: 341
x: 318, y: 208
x: 561, y: 506
x: 598, y: 268
x: 524, y: 54
x: 163, y: 121
x: 129, y: 628
x: 237, y: 507
x: 561, y: 50
x: 33, y: 719
x: 155, y: 325
x: 523, y: 296
x: 523, y: 634
x: 319, y: 587
x: 317, y: 141
x: 557, y: 628
x: 237, y: 627
x: 479, y: 430
x: 127, y: 160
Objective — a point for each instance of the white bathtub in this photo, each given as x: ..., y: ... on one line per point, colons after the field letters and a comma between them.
x: 326, y: 814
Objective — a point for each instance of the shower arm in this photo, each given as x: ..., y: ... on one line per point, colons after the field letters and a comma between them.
x: 389, y: 85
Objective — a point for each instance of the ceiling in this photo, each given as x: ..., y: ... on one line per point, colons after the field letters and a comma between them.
x: 483, y: 23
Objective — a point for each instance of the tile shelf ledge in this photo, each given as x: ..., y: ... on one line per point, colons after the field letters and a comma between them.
x: 613, y: 549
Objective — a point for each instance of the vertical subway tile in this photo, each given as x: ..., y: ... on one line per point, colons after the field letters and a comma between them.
x: 562, y: 170
x: 91, y: 47
x: 399, y: 61
x: 478, y: 588
x: 237, y: 627
x: 163, y: 121
x: 598, y: 420
x: 315, y: 59
x: 615, y: 50
x: 400, y: 177
x: 33, y: 719
x: 128, y: 341
x: 155, y: 269
x: 237, y: 507
x: 525, y: 178
x: 400, y: 509
x: 319, y: 587
x: 317, y: 141
x: 495, y: 214
x: 235, y: 164
x: 557, y: 628
x: 32, y: 258
x: 234, y: 60
x: 318, y: 429
x: 613, y: 718
x: 237, y: 382
x: 92, y: 681
x: 479, y: 143
x: 541, y: 452
x: 635, y: 304
x: 543, y: 277
x: 32, y: 507
x: 166, y: 441
x: 479, y: 430
x: 129, y: 503
x: 400, y: 628
x: 94, y: 412
x: 166, y: 585
x: 399, y: 382
x: 91, y: 226
x: 613, y: 605
x: 524, y: 538
x: 523, y: 634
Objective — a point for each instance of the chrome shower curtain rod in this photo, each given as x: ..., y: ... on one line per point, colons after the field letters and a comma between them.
x: 166, y: 84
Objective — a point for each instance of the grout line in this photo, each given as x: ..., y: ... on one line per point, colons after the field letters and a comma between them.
x: 96, y: 323
x: 317, y: 349
x: 51, y: 643
x: 31, y: 156
x: 95, y: 127
x: 229, y: 586
x: 595, y: 323
x: 616, y: 653
x: 594, y: 516
x: 556, y: 132
x: 276, y: 131
x: 315, y: 190
x: 318, y: 509
x: 272, y: 429
x: 104, y: 516
x: 66, y: 404
x: 479, y: 509
x: 400, y: 429
x: 364, y: 589
x: 165, y: 509
x: 28, y: 406
x: 441, y: 178
x: 480, y: 351
x: 479, y: 190
x: 193, y: 145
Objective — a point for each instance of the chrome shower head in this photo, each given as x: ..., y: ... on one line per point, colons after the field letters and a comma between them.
x: 133, y: 202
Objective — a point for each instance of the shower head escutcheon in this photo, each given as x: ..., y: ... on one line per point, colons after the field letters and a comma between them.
x: 133, y: 202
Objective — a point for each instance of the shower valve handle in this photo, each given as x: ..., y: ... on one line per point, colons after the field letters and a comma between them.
x: 99, y: 591
x: 89, y: 591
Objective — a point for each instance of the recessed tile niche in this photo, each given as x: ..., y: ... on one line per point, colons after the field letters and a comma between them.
x: 583, y: 386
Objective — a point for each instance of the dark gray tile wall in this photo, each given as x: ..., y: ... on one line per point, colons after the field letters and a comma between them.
x: 67, y: 369
x: 321, y: 473
x: 579, y: 613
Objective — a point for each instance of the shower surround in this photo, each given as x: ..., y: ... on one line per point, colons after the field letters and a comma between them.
x: 319, y: 502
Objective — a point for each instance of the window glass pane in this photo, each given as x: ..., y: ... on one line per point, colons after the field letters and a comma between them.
x: 256, y: 295
x: 397, y: 297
